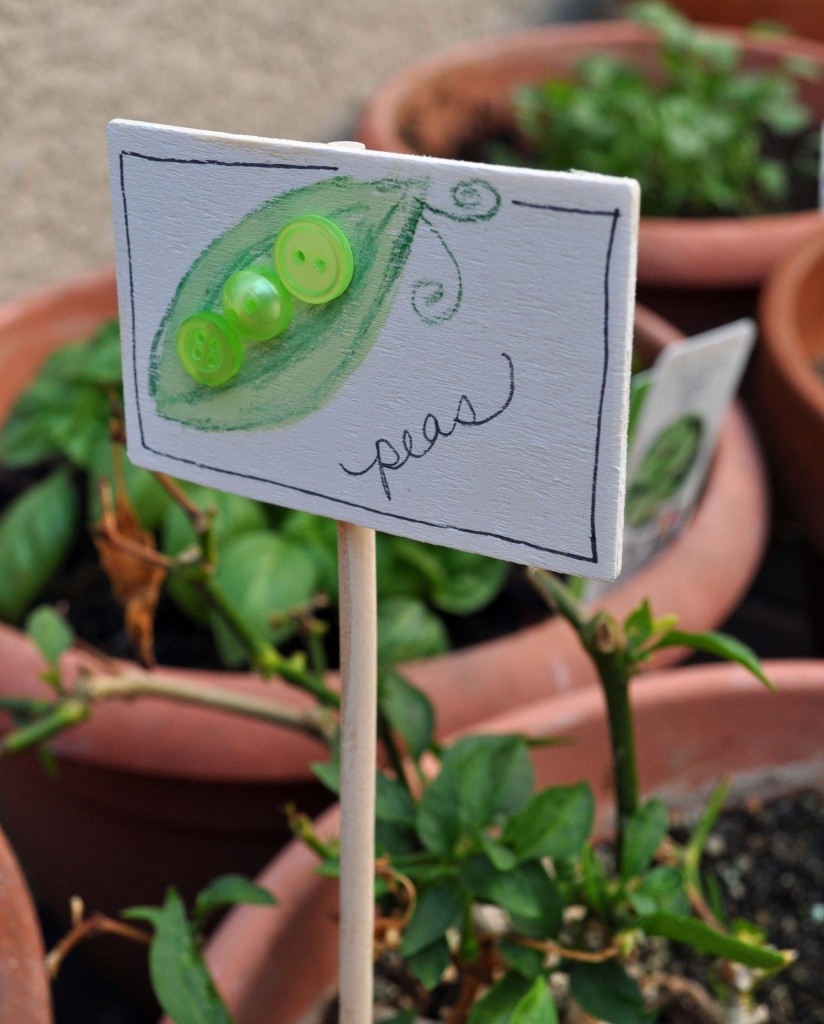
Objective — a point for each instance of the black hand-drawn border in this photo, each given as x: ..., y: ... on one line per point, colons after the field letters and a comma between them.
x: 613, y: 214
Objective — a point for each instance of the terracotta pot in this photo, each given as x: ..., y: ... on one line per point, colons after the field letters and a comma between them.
x: 789, y: 399
x: 25, y: 993
x: 177, y: 795
x: 693, y: 725
x: 801, y: 17
x: 434, y: 106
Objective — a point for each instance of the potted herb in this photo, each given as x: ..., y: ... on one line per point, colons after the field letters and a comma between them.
x: 493, y: 899
x: 638, y: 98
x: 471, y: 835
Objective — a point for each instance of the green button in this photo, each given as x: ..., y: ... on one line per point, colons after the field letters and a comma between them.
x: 256, y: 304
x: 314, y: 259
x: 209, y: 348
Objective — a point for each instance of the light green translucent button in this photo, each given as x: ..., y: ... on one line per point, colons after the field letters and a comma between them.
x: 313, y: 258
x: 209, y: 348
x: 256, y: 304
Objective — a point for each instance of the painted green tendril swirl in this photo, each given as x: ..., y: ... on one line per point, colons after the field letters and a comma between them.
x: 474, y: 200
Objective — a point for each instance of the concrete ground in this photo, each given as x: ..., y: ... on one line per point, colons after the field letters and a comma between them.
x: 286, y: 68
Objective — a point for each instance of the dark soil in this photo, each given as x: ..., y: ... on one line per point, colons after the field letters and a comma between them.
x: 769, y: 858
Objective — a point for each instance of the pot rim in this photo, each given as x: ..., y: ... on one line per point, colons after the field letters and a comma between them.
x: 26, y: 992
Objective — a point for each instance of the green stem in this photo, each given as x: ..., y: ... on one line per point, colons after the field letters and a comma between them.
x: 603, y: 642
x: 316, y: 650
x: 387, y: 738
x: 26, y: 707
x: 314, y: 722
x: 264, y: 656
x: 615, y: 686
x: 66, y: 713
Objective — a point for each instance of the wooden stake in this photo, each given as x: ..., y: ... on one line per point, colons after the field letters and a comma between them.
x: 358, y: 649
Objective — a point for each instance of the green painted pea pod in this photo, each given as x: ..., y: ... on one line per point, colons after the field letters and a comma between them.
x: 286, y: 378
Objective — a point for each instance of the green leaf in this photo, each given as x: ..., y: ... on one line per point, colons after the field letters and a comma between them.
x: 100, y: 360
x: 437, y: 910
x: 262, y: 575
x: 404, y: 1017
x: 704, y: 939
x: 500, y: 855
x: 58, y: 414
x: 50, y: 631
x: 526, y: 961
x: 467, y: 582
x: 319, y: 536
x: 719, y: 644
x: 639, y: 624
x: 545, y: 916
x: 328, y: 772
x: 179, y: 976
x: 233, y: 516
x: 527, y: 893
x: 701, y: 832
x: 508, y: 889
x: 662, y: 888
x: 396, y: 840
x: 497, y: 1006
x: 555, y: 823
x: 408, y: 630
x: 714, y: 895
x: 393, y: 802
x: 643, y: 834
x: 429, y: 964
x: 400, y: 575
x: 228, y: 891
x: 594, y: 880
x: 482, y: 779
x: 36, y: 531
x: 152, y: 915
x: 408, y: 711
x: 607, y: 992
x: 536, y: 1007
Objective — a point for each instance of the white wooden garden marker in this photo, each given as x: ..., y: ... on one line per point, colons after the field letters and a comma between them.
x: 455, y: 370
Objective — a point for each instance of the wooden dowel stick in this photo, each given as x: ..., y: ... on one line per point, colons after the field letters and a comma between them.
x: 358, y: 647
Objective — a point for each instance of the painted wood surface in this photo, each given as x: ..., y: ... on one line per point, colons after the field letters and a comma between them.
x: 468, y: 389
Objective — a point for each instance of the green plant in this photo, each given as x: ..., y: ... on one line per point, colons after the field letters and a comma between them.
x: 179, y: 975
x: 493, y: 898
x: 474, y: 836
x: 249, y: 573
x: 699, y: 134
x: 490, y: 893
